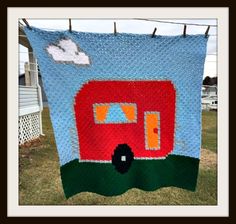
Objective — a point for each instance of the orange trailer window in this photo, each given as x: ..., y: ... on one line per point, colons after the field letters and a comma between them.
x: 129, y: 111
x: 101, y: 112
x: 115, y: 113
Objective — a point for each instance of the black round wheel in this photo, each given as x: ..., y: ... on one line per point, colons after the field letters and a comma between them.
x: 122, y: 158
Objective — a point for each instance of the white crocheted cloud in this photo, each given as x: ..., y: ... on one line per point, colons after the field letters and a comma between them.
x: 66, y: 51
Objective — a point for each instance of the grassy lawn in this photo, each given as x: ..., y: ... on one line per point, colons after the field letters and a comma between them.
x: 209, y: 131
x: 40, y: 183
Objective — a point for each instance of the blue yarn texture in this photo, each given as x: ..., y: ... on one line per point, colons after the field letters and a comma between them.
x: 122, y: 57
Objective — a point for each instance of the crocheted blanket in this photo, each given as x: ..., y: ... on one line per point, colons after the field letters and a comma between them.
x: 125, y: 108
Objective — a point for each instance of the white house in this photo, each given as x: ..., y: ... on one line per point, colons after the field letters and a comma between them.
x: 30, y: 98
x: 209, y: 97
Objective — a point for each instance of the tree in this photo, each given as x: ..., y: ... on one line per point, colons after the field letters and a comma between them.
x: 207, y: 81
x: 214, y: 81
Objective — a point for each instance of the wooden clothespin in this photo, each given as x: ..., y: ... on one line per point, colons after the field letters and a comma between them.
x: 184, y: 32
x: 27, y: 24
x: 70, y: 27
x: 115, y: 32
x: 154, y: 31
x: 207, y: 31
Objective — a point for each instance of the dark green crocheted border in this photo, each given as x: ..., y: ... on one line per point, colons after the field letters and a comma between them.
x: 149, y: 175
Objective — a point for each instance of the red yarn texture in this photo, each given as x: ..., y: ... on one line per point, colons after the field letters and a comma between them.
x: 98, y: 141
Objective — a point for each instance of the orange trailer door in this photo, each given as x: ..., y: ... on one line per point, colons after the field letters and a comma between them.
x: 152, y: 130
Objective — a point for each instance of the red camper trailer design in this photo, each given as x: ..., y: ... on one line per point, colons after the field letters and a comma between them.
x: 119, y: 121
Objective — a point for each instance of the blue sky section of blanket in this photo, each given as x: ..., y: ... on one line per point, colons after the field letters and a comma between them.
x: 124, y: 57
x: 134, y: 26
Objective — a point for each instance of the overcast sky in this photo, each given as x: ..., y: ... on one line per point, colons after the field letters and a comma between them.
x: 134, y: 26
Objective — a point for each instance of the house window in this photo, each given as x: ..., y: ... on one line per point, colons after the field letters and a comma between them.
x: 115, y: 113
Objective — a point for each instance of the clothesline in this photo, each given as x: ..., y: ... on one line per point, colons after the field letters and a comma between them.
x: 176, y: 23
x: 149, y: 20
x: 163, y: 21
